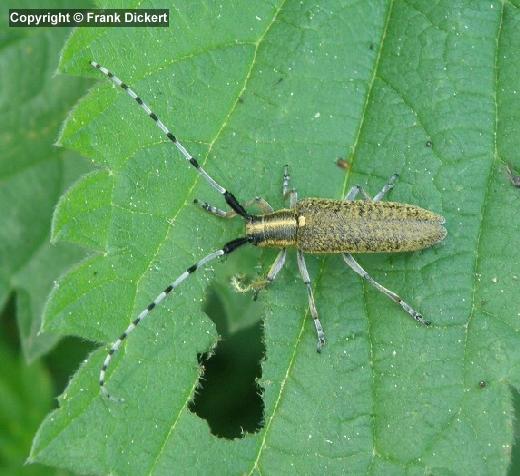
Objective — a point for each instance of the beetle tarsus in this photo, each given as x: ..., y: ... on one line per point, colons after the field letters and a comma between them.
x: 321, y: 343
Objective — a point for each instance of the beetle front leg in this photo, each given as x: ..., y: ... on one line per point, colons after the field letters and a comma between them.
x: 290, y: 194
x: 258, y: 285
x: 349, y: 259
x: 260, y: 202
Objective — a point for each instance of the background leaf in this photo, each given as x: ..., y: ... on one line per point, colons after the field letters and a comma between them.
x: 426, y: 90
x: 21, y: 408
x: 27, y: 393
x: 33, y: 172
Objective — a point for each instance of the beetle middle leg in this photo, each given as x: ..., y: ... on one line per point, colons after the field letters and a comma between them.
x: 389, y: 185
x: 353, y: 192
x: 312, y: 305
x: 292, y: 196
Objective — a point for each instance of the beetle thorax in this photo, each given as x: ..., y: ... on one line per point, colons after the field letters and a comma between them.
x: 276, y: 230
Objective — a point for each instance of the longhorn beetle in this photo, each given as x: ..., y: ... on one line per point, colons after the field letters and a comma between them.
x: 311, y: 225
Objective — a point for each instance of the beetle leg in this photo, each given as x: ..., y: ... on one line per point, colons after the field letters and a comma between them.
x: 215, y: 210
x: 258, y: 201
x: 386, y: 188
x: 286, y: 181
x: 262, y: 204
x: 312, y: 306
x: 276, y: 266
x: 349, y: 259
x: 290, y: 194
x: 258, y: 285
x: 353, y: 192
x: 293, y: 198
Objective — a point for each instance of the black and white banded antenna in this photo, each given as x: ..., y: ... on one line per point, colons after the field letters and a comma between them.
x: 229, y: 197
x: 226, y: 249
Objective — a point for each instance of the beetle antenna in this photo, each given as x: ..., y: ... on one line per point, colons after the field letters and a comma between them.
x: 226, y: 249
x: 228, y: 196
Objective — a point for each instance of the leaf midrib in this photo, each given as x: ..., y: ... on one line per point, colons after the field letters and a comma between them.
x: 317, y: 280
x: 225, y: 122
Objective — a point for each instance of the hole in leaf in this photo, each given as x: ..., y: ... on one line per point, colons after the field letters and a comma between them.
x: 228, y: 397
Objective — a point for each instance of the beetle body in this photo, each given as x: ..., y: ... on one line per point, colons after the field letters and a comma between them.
x: 311, y: 225
x: 317, y: 225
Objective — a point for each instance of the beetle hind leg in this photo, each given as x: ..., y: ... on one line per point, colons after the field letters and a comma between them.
x: 349, y: 259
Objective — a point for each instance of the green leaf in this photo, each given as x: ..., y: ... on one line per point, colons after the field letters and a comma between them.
x: 425, y: 90
x: 33, y: 173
